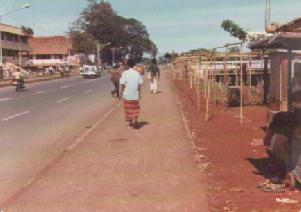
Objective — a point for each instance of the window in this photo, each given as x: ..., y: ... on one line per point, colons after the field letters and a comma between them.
x: 43, y: 56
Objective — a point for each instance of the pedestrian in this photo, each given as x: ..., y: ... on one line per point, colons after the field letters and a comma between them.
x: 61, y: 71
x: 50, y: 70
x: 155, y: 76
x: 67, y: 70
x: 130, y: 91
x: 186, y: 70
x: 115, y: 78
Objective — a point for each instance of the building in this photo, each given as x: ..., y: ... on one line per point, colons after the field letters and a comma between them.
x: 292, y: 26
x: 13, y: 42
x: 284, y: 53
x: 51, y: 47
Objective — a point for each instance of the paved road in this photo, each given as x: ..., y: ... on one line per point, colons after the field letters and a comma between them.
x: 116, y: 169
x: 38, y: 124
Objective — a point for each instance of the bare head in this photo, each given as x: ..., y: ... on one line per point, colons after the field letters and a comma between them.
x: 131, y: 63
x: 116, y: 67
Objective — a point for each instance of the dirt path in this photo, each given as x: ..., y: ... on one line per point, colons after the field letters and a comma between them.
x: 235, y: 166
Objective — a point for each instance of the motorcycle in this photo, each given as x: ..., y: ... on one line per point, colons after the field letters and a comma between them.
x: 20, y: 85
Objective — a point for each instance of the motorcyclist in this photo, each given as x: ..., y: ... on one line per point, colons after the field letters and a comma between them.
x: 19, y: 78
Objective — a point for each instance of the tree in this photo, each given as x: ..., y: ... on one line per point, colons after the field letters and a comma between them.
x: 83, y: 42
x: 234, y: 30
x: 99, y: 23
x: 27, y: 30
x: 167, y: 56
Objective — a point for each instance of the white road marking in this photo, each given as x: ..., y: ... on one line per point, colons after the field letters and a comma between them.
x: 63, y: 100
x: 15, y: 116
x: 89, y: 91
x: 41, y: 92
x: 66, y: 86
x: 5, y: 99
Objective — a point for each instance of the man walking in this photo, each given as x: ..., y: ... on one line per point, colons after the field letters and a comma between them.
x: 155, y: 74
x: 130, y: 85
x: 115, y: 77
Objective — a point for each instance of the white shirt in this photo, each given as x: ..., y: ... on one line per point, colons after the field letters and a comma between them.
x: 132, y: 80
x: 17, y: 75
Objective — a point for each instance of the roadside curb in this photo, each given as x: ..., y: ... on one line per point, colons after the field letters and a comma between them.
x: 199, y: 159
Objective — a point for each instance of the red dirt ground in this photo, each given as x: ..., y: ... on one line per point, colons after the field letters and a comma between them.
x: 234, y: 169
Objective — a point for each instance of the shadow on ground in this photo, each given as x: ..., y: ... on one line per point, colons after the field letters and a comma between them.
x: 268, y: 167
x: 142, y: 124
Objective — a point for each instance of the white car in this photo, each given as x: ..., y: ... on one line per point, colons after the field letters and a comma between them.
x: 90, y: 72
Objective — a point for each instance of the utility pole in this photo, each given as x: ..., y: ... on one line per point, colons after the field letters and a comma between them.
x: 268, y: 14
x: 99, y: 48
x: 98, y: 53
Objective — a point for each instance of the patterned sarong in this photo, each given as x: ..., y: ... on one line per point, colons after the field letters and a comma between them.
x: 131, y: 109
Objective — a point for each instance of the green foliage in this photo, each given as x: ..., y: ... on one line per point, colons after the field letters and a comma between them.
x: 167, y: 56
x: 234, y: 30
x: 27, y: 30
x: 99, y: 23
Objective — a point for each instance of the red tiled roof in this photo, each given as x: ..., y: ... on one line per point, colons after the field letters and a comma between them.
x: 50, y: 45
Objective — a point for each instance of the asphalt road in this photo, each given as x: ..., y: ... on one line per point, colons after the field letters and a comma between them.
x: 38, y: 124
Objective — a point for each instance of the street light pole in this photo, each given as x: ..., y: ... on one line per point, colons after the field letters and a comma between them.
x: 25, y: 6
x: 20, y: 49
x: 99, y: 48
x: 98, y: 54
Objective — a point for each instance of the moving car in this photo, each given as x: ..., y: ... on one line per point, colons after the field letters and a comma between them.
x: 90, y: 72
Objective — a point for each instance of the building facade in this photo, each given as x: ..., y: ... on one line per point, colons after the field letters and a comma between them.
x: 50, y: 47
x: 13, y: 43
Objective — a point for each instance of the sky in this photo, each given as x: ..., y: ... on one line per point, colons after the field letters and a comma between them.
x: 179, y: 25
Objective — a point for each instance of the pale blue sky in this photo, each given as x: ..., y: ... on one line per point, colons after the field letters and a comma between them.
x: 173, y: 24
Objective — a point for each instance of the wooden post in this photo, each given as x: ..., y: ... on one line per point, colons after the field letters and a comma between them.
x: 280, y: 86
x: 226, y: 67
x: 289, y: 100
x: 236, y: 77
x: 214, y: 80
x: 191, y: 79
x: 211, y: 72
x: 196, y: 81
x: 250, y: 74
x: 207, y: 102
x: 241, y: 83
x: 209, y: 92
x: 289, y: 82
x: 265, y: 80
x: 206, y: 77
x: 198, y: 95
x: 199, y: 86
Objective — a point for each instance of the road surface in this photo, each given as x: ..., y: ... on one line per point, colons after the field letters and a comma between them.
x: 38, y: 124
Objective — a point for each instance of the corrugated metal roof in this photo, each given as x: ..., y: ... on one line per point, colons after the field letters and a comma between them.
x: 282, y: 40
